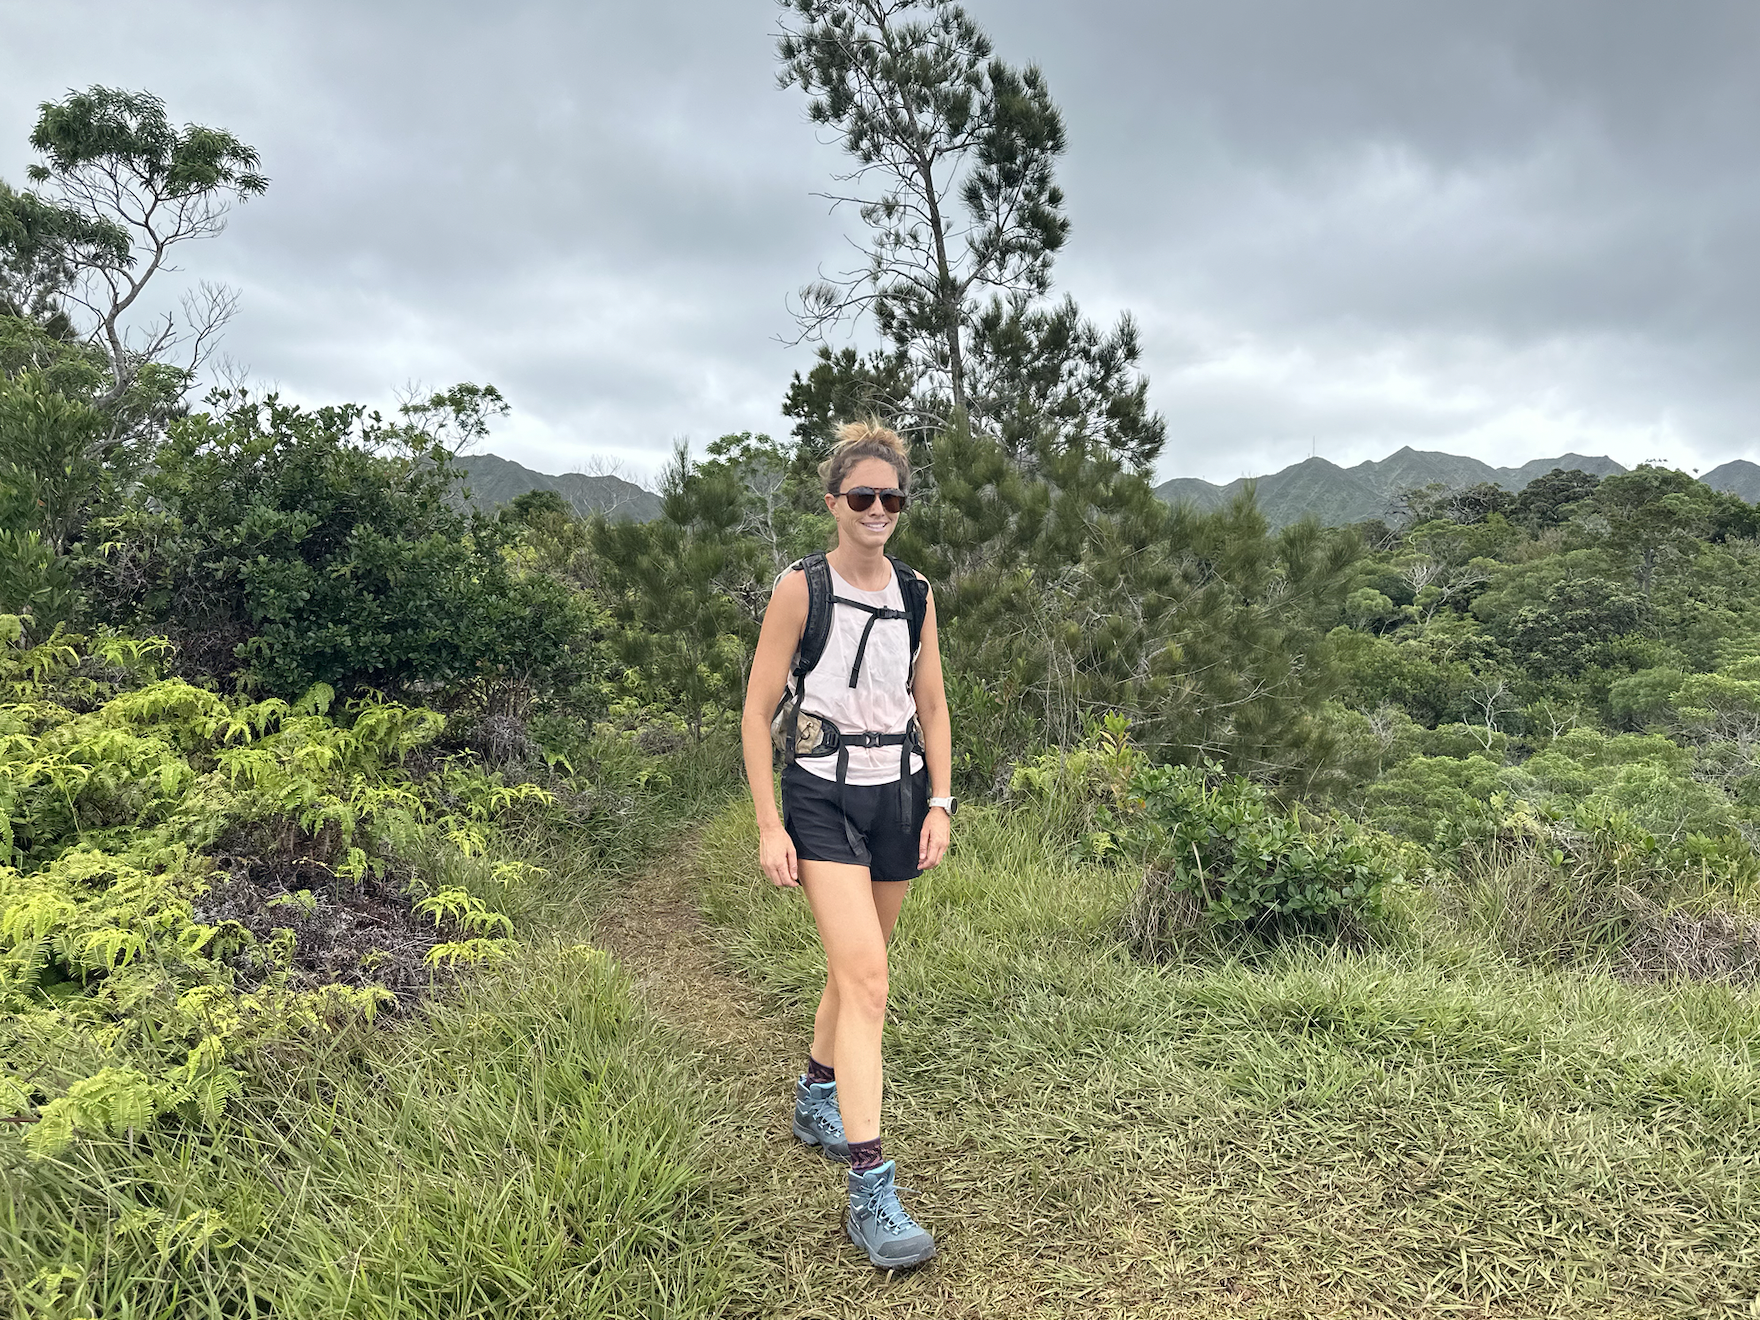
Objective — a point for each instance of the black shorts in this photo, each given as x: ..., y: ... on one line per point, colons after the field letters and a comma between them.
x: 814, y: 820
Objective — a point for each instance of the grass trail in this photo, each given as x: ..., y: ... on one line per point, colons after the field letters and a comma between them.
x: 526, y: 1145
x: 1322, y: 1134
x: 1404, y: 1134
x: 1007, y: 1250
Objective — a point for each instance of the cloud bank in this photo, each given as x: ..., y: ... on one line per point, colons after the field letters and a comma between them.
x: 1506, y: 230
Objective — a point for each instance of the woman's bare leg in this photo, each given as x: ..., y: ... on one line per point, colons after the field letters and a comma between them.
x: 888, y: 899
x: 848, y: 914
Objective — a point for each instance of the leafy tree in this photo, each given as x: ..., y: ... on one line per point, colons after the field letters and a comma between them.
x: 288, y: 547
x: 1546, y: 500
x: 43, y: 247
x: 1366, y: 607
x: 781, y: 505
x: 1652, y: 516
x: 128, y: 188
x: 1438, y: 502
x: 47, y: 475
x: 1430, y: 798
x: 124, y: 188
x: 1643, y: 694
x: 1575, y: 627
x: 954, y: 156
x: 1427, y: 673
x: 456, y: 419
x: 534, y: 507
x: 1444, y: 563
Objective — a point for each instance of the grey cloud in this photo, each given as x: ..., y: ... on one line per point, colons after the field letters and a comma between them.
x: 1504, y: 229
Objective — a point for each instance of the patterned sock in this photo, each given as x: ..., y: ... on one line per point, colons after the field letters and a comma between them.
x: 865, y: 1155
x: 818, y: 1072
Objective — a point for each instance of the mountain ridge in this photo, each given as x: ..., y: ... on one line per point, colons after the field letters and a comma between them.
x: 1340, y: 495
x: 491, y: 481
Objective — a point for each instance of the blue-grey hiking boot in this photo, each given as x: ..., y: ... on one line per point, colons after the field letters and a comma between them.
x: 816, y: 1120
x: 878, y: 1224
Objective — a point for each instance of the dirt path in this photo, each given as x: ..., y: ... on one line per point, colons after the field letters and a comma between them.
x: 748, y: 1062
x: 791, y: 1201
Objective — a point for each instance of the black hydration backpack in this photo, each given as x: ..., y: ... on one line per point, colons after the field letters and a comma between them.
x: 796, y: 731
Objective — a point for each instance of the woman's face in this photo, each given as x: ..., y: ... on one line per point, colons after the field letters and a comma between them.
x: 869, y: 528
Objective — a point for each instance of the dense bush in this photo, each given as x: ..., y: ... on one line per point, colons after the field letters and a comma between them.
x: 1597, y: 887
x: 1222, y: 851
x: 296, y: 547
x: 1218, y: 851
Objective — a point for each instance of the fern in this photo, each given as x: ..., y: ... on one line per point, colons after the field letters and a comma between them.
x: 116, y: 1000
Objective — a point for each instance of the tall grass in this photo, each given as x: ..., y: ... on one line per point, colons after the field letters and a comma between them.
x: 1427, y: 1130
x: 528, y: 1145
x: 527, y: 1151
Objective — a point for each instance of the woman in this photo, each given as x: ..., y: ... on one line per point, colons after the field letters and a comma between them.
x: 865, y: 736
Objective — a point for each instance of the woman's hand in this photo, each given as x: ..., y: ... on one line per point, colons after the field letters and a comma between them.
x: 776, y: 856
x: 932, y: 845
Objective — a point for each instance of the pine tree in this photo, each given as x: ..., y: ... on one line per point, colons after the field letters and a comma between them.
x: 684, y: 590
x: 954, y: 153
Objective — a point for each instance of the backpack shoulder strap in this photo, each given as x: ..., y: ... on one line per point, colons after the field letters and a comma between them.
x: 915, y: 589
x: 818, y: 626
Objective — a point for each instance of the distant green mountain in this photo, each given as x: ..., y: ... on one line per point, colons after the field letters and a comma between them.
x: 1346, y: 495
x: 491, y: 480
x: 1737, y: 478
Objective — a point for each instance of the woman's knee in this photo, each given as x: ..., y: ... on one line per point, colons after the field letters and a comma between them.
x: 862, y: 987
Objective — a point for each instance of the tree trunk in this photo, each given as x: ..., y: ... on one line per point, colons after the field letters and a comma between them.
x: 956, y: 364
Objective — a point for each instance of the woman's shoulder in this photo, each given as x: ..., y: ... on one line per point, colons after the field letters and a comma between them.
x: 791, y: 590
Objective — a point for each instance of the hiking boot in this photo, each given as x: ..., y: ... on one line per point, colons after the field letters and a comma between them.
x: 816, y: 1120
x: 878, y: 1224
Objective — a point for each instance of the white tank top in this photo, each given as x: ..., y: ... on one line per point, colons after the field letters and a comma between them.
x: 881, y: 701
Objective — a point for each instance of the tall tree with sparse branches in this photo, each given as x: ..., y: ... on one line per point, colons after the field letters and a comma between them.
x: 129, y: 188
x: 954, y: 177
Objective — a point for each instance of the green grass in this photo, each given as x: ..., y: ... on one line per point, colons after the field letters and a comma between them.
x: 527, y: 1150
x: 1428, y: 1131
x: 529, y: 1145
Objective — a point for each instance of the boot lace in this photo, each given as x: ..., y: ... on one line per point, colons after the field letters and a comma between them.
x: 892, y: 1216
x: 824, y: 1111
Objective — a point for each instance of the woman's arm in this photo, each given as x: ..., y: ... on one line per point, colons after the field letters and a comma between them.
x: 932, y: 714
x: 784, y: 621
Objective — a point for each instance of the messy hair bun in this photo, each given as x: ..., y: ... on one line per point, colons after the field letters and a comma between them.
x: 865, y: 439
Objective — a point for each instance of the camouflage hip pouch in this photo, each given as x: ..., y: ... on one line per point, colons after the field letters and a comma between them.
x: 811, y: 736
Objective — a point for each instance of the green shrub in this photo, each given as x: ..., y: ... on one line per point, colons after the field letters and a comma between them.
x: 296, y: 547
x: 1224, y: 852
x: 1430, y: 799
x: 1593, y: 885
x: 135, y: 964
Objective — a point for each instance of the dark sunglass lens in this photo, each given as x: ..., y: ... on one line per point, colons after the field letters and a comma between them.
x: 860, y: 498
x: 893, y: 501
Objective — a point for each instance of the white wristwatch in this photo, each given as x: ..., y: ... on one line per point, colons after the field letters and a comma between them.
x: 947, y: 804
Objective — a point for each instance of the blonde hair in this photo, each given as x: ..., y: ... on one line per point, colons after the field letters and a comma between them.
x: 865, y: 439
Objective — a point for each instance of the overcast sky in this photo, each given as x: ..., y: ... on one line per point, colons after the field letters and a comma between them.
x: 1509, y: 228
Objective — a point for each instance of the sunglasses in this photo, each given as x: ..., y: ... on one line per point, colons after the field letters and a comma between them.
x: 861, y: 498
